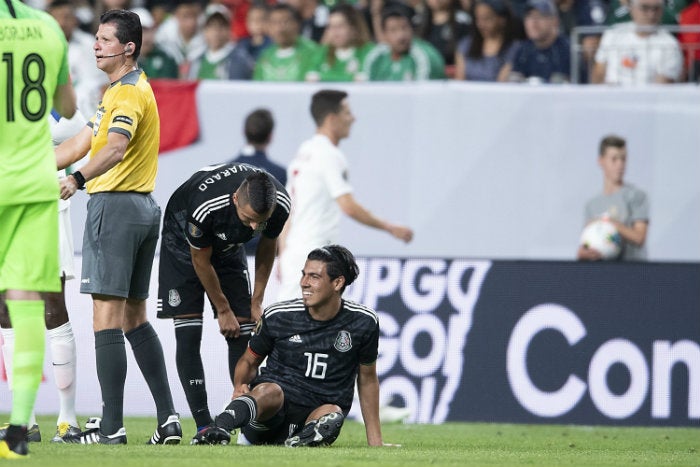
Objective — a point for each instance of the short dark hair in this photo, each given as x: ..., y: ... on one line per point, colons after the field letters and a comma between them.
x: 259, y: 191
x: 339, y: 262
x: 128, y: 27
x: 59, y: 4
x: 395, y: 11
x: 611, y: 141
x: 258, y: 126
x: 325, y: 102
x: 293, y: 12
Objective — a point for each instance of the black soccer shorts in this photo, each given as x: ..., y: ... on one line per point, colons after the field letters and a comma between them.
x: 181, y: 293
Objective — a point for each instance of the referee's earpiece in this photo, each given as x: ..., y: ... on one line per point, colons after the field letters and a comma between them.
x: 128, y: 49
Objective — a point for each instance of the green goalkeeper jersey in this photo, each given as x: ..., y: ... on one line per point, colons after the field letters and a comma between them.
x: 422, y: 62
x: 288, y: 64
x: 34, y: 62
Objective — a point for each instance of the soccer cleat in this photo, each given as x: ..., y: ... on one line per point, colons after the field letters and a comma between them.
x: 94, y: 436
x: 211, y: 434
x: 169, y: 432
x: 20, y: 451
x: 93, y: 422
x: 322, y: 432
x: 15, y: 444
x: 33, y: 433
x: 63, y: 430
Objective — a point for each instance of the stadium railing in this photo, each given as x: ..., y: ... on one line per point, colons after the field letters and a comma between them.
x: 582, y: 58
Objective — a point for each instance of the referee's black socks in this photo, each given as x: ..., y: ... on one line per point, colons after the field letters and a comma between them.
x: 238, y: 413
x: 148, y: 353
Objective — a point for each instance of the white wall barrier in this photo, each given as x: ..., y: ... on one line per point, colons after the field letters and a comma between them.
x: 478, y: 170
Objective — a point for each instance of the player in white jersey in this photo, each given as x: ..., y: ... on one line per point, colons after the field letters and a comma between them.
x: 59, y: 330
x: 317, y: 181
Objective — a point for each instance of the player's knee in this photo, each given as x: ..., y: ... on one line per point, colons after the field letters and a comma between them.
x: 270, y: 392
x: 4, y: 317
x: 56, y: 314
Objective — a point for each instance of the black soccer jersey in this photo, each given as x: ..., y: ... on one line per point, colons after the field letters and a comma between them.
x: 315, y: 362
x: 201, y: 213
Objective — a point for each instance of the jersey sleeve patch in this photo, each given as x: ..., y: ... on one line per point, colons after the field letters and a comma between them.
x: 194, y: 231
x: 123, y: 119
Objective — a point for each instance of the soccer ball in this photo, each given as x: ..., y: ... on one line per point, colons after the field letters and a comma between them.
x: 602, y: 236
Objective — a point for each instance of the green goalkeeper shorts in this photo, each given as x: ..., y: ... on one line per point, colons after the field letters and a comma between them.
x: 29, y: 247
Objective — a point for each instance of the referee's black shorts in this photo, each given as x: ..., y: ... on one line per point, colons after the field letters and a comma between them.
x: 181, y: 293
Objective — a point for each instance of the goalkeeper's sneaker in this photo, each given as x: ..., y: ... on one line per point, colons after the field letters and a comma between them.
x: 322, y: 432
x: 33, y: 433
x: 95, y: 436
x: 211, y: 434
x: 63, y: 430
x: 169, y: 432
x: 17, y: 446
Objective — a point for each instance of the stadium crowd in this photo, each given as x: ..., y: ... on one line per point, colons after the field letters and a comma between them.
x: 396, y: 40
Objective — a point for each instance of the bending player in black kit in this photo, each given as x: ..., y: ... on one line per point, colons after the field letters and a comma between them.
x: 317, y: 347
x: 206, y: 223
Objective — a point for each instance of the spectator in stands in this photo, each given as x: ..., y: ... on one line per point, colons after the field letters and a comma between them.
x: 181, y: 35
x: 545, y: 55
x: 625, y: 205
x: 483, y: 55
x: 258, y: 128
x: 221, y: 59
x: 345, y: 46
x: 152, y: 59
x: 690, y: 16
x: 403, y: 57
x: 290, y: 56
x: 443, y: 25
x: 89, y: 82
x: 257, y: 39
x: 159, y: 9
x: 101, y: 6
x: 574, y: 13
x: 314, y: 17
x: 374, y: 9
x: 619, y: 11
x: 638, y: 52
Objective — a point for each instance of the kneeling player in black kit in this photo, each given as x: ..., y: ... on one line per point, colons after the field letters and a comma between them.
x: 206, y: 223
x: 317, y: 347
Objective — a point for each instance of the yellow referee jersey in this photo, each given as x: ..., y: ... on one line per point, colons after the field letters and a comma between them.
x: 128, y: 107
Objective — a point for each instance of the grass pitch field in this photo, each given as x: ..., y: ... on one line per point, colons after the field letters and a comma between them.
x: 451, y: 444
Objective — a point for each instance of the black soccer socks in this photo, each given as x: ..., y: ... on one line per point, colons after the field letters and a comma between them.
x: 148, y: 353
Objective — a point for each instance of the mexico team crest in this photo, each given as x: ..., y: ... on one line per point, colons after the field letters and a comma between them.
x: 195, y: 231
x: 343, y: 342
x: 174, y: 298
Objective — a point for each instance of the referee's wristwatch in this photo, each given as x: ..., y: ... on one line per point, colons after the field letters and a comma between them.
x: 79, y: 179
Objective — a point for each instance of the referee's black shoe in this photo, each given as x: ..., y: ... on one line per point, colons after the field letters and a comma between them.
x: 169, y: 432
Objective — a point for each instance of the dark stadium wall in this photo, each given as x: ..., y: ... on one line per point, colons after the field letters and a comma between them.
x: 538, y: 342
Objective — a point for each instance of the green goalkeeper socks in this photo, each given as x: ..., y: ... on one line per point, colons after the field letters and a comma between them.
x: 27, y: 318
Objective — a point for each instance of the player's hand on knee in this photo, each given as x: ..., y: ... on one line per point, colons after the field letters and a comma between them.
x: 228, y: 324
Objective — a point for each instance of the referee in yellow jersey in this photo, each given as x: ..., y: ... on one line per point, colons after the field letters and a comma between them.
x: 121, y: 229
